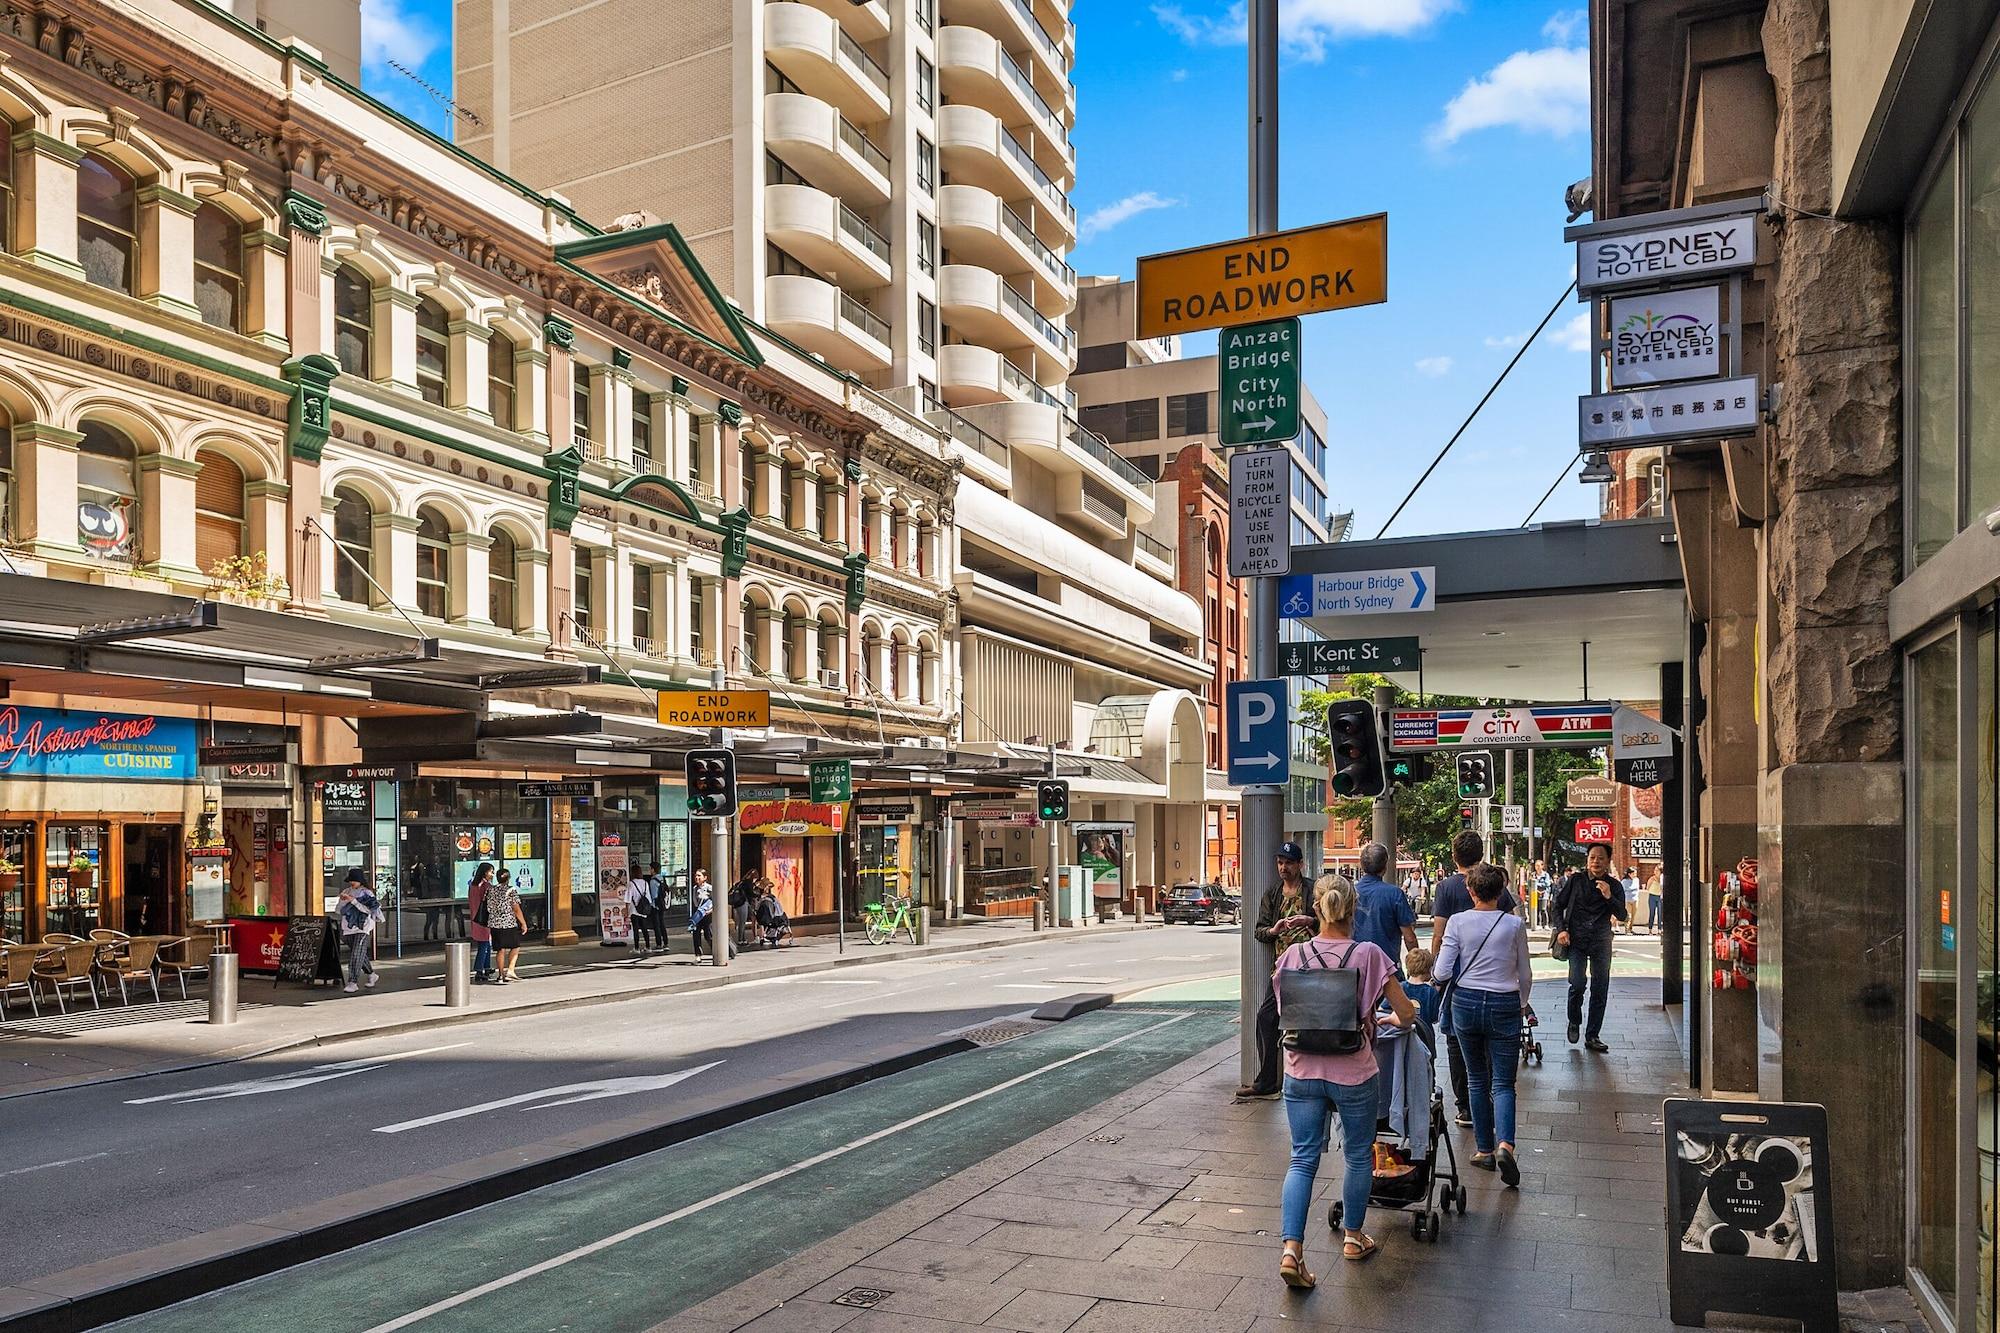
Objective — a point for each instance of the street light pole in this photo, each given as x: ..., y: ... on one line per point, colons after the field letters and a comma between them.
x: 721, y: 924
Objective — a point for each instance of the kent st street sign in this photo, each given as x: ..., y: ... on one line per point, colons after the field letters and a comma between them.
x: 1259, y: 386
x: 1339, y: 657
x: 1332, y: 266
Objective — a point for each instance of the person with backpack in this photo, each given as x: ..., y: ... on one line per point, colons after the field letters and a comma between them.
x: 1328, y: 988
x: 1586, y: 906
x: 1490, y: 975
x: 639, y: 902
x: 480, y: 930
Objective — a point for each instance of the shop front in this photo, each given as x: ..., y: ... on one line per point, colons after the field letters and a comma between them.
x: 890, y: 849
x: 1002, y: 854
x: 256, y: 835
x: 793, y: 843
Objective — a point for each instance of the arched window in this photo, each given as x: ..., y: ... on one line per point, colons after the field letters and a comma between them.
x: 354, y: 540
x: 502, y: 587
x: 107, y: 222
x: 354, y: 322
x: 500, y: 380
x: 433, y: 563
x: 218, y: 268
x: 7, y: 191
x: 433, y: 350
x: 6, y: 473
x: 219, y: 529
x: 107, y: 494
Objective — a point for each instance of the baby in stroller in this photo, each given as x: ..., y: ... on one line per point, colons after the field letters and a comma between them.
x: 774, y: 927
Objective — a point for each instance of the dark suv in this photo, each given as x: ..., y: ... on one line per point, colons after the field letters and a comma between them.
x: 1207, y: 904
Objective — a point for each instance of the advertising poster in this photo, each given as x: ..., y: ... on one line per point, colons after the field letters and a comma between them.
x: 1102, y: 852
x: 614, y: 914
x: 485, y: 842
x: 1747, y: 1195
x: 582, y: 856
x: 785, y: 867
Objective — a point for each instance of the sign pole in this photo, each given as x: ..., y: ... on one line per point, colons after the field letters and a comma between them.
x: 1263, y: 807
x: 721, y: 924
x: 840, y: 890
x: 1055, y: 854
x: 1385, y: 805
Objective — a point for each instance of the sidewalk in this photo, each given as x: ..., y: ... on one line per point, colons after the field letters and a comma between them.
x: 91, y: 1045
x: 1157, y: 1212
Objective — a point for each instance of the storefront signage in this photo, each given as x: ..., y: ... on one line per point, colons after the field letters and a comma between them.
x: 1331, y: 266
x: 789, y: 819
x: 1592, y: 793
x: 715, y: 708
x: 1574, y: 726
x: 344, y: 801
x: 1643, y: 771
x: 361, y: 772
x: 1658, y: 255
x: 1664, y: 336
x: 1594, y: 829
x: 996, y: 812
x: 1635, y: 735
x: 761, y: 793
x: 886, y: 814
x: 1669, y: 412
x: 61, y: 743
x: 831, y: 781
x: 1643, y: 849
x: 226, y: 755
x: 251, y: 775
x: 542, y: 791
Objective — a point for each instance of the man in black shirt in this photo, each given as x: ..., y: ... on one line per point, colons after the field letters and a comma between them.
x: 1588, y: 902
x: 1468, y: 849
x: 1285, y: 917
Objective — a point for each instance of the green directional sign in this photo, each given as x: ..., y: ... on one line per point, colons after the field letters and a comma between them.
x: 830, y: 781
x: 1340, y: 657
x: 1258, y: 385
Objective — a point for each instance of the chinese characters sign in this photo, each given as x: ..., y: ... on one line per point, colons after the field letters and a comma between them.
x: 1669, y: 412
x: 1665, y: 336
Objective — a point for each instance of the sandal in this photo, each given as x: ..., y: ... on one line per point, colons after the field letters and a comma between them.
x: 1359, y: 1251
x: 1293, y: 1270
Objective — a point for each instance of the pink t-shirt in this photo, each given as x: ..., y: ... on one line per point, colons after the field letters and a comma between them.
x: 1375, y: 969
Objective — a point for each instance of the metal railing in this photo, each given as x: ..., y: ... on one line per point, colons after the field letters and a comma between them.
x: 1156, y: 548
x: 1041, y: 323
x: 1095, y: 445
x: 1021, y: 382
x: 854, y: 51
x: 870, y: 323
x: 587, y: 446
x: 1019, y: 78
x: 863, y: 145
x: 1026, y: 160
x: 1041, y: 34
x: 969, y: 435
x: 1022, y: 232
x: 857, y: 226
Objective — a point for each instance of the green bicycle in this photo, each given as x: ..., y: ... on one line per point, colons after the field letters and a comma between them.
x: 886, y: 918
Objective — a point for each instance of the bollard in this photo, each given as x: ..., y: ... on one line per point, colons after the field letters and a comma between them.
x: 458, y: 974
x: 923, y: 925
x: 1138, y: 910
x: 1039, y: 905
x: 222, y: 988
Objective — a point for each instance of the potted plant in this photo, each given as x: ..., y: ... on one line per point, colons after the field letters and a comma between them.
x: 247, y: 578
x: 82, y: 874
x: 10, y: 876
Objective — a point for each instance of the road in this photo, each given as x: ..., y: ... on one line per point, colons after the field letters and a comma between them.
x: 94, y: 1172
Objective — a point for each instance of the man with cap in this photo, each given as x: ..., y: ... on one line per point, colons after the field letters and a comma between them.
x: 1286, y: 917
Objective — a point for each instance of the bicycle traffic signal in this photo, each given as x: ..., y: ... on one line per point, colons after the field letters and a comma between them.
x: 711, y: 783
x: 1408, y: 770
x: 1475, y: 775
x: 1356, y: 738
x: 1472, y: 817
x: 1052, y: 797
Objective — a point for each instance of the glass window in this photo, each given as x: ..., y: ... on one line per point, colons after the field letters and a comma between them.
x: 218, y: 267
x: 219, y: 529
x: 832, y: 499
x: 927, y: 249
x: 502, y: 583
x: 1122, y: 423
x: 1934, y: 997
x: 500, y: 371
x: 927, y: 14
x: 433, y: 350
x: 926, y: 86
x: 583, y: 590
x: 698, y: 618
x: 642, y: 610
x: 927, y: 315
x: 926, y: 165
x: 1986, y: 1017
x: 1187, y: 414
x: 1934, y: 383
x: 789, y: 506
x: 107, y: 222
x: 353, y: 322
x: 354, y: 536
x: 7, y: 492
x: 433, y: 563
x: 642, y: 431
x: 1982, y: 303
x: 694, y: 448
x: 579, y: 406
x: 107, y: 494
x: 7, y: 225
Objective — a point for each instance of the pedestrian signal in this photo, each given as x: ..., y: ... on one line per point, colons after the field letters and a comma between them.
x: 1356, y: 739
x: 711, y: 783
x: 1052, y: 798
x: 1475, y: 776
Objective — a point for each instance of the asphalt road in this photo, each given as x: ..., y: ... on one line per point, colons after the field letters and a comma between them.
x: 94, y: 1172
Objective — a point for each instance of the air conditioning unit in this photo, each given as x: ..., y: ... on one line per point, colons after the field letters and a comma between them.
x: 830, y: 678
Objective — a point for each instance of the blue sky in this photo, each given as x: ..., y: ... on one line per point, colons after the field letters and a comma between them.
x: 1464, y: 120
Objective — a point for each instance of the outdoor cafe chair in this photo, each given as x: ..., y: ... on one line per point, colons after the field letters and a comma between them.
x: 68, y: 965
x: 186, y: 957
x: 17, y: 971
x: 135, y: 964
x: 57, y: 937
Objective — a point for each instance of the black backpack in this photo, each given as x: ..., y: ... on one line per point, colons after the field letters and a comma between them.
x: 1320, y: 1008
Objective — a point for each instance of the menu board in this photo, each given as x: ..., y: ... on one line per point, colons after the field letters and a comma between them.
x: 583, y: 856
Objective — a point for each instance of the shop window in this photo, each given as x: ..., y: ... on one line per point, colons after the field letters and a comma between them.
x: 354, y: 322
x: 433, y: 563
x: 218, y: 268
x: 220, y: 532
x: 698, y: 618
x: 643, y: 637
x: 500, y: 372
x: 107, y: 494
x: 583, y: 591
x: 107, y: 222
x: 579, y: 406
x: 433, y: 351
x: 642, y: 432
x: 354, y: 546
x: 502, y: 587
x: 1934, y: 705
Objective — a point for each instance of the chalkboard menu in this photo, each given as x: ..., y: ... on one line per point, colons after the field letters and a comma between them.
x: 312, y: 951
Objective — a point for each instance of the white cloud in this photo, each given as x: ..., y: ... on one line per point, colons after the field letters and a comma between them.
x: 1506, y: 341
x: 1567, y: 28
x: 389, y: 34
x: 1575, y: 335
x: 1434, y: 367
x: 1179, y: 76
x: 1306, y: 26
x: 1544, y: 92
x: 1101, y: 220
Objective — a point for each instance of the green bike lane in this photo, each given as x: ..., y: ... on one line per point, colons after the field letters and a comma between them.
x: 625, y: 1247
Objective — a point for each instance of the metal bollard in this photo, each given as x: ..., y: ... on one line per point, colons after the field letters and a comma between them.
x: 923, y: 924
x: 222, y: 988
x: 1039, y: 905
x: 458, y: 974
x: 1138, y: 910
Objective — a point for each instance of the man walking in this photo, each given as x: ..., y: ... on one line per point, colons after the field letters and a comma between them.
x: 1384, y: 917
x: 1468, y: 849
x: 1586, y: 908
x: 1285, y: 917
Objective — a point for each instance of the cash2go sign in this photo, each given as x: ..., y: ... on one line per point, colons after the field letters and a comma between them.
x: 1595, y: 829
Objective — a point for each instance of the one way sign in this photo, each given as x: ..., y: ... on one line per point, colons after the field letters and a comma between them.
x: 1258, y: 732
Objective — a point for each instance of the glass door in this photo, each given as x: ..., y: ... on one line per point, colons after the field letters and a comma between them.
x: 1934, y: 997
x: 15, y: 871
x: 1985, y: 962
x: 75, y: 869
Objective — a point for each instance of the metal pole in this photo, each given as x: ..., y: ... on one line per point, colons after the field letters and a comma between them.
x: 840, y: 891
x: 1385, y: 804
x: 222, y: 988
x: 458, y: 974
x: 721, y: 924
x: 1055, y: 854
x: 1507, y: 769
x: 1263, y: 817
x: 1529, y: 819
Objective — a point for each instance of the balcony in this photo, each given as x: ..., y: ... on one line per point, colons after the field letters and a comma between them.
x: 978, y: 150
x: 1154, y: 554
x: 822, y: 318
x: 979, y: 226
x: 1047, y: 435
x: 813, y: 138
x: 866, y: 19
x: 826, y: 234
x: 1095, y: 505
x: 810, y: 48
x: 1016, y: 19
x: 979, y: 304
x: 975, y: 69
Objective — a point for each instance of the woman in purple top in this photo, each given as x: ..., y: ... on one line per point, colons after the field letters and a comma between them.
x: 1486, y: 952
x: 1318, y: 1085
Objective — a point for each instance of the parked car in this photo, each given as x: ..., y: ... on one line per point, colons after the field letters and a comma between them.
x: 1207, y: 904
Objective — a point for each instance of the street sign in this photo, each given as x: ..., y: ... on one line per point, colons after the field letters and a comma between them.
x: 1339, y: 657
x: 715, y: 708
x: 1594, y: 829
x: 1331, y: 266
x: 1643, y: 770
x: 569, y: 790
x: 1361, y: 592
x: 1636, y: 735
x: 1258, y: 382
x: 1513, y: 818
x: 1631, y: 417
x: 1655, y: 256
x: 1592, y: 793
x: 1260, y: 535
x: 1259, y: 732
x: 1661, y: 336
x: 830, y: 781
x: 1565, y: 726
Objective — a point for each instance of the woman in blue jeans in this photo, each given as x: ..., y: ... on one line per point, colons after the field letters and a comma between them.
x: 1318, y: 1085
x: 1486, y: 952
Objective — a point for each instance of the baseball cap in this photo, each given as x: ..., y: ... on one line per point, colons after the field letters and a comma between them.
x: 1289, y: 851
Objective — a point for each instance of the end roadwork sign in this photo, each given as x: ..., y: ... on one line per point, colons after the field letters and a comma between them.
x: 1331, y: 266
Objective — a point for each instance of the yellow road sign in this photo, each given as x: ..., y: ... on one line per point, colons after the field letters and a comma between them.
x: 715, y: 708
x: 1328, y: 267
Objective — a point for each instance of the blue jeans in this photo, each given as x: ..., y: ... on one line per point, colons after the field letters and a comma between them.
x: 1487, y: 1024
x: 482, y: 957
x: 1309, y: 1107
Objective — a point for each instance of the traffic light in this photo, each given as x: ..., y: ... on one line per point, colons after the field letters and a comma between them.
x: 1356, y: 739
x: 1475, y: 776
x: 1052, y: 797
x: 711, y: 783
x: 1469, y: 817
x: 1408, y: 770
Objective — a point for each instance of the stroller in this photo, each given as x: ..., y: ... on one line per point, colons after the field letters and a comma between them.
x: 1423, y: 1186
x: 1531, y: 1045
x: 774, y: 927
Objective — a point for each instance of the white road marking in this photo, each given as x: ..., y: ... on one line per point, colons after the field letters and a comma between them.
x: 304, y: 1078
x: 737, y: 1191
x: 567, y: 1095
x: 45, y: 1166
x: 847, y: 981
x: 1027, y: 985
x: 863, y: 999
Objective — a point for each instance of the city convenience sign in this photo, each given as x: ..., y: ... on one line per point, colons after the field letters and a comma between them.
x: 1572, y: 726
x: 58, y: 743
x: 1331, y: 266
